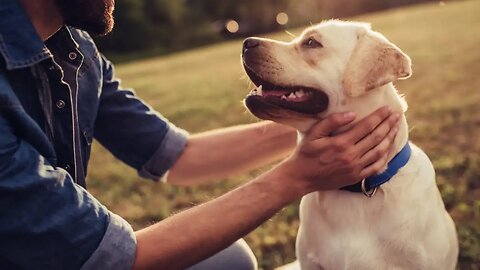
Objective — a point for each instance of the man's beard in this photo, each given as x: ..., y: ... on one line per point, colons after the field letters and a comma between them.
x: 93, y: 16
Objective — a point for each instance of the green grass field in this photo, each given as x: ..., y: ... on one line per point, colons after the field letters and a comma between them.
x: 202, y: 89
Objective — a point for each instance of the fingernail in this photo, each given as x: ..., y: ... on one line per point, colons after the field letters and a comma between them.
x: 349, y: 116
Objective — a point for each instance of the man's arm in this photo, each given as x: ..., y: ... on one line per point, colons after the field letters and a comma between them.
x: 143, y: 139
x: 320, y: 162
x: 195, y: 234
x: 217, y: 154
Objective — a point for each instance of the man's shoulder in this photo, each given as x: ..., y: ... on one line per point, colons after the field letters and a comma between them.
x: 81, y: 35
x: 84, y: 40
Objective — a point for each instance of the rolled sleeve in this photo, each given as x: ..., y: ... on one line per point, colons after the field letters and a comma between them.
x: 133, y: 131
x: 165, y: 156
x: 117, y: 248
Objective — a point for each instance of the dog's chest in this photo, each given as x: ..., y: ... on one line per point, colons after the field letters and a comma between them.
x: 358, y: 239
x: 343, y: 230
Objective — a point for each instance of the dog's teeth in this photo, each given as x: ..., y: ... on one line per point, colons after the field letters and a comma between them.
x: 257, y: 91
x: 284, y: 97
x: 300, y: 93
x: 292, y: 96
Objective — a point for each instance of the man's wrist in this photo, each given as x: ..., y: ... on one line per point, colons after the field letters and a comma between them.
x: 284, y: 183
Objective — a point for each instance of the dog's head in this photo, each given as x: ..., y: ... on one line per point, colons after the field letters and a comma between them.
x: 302, y: 81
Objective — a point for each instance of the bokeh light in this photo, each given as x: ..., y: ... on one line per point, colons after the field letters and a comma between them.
x: 232, y: 26
x: 282, y: 18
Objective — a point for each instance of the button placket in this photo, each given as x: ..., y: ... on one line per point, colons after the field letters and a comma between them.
x: 63, y: 99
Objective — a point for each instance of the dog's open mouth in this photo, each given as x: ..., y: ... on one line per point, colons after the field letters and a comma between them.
x: 305, y: 100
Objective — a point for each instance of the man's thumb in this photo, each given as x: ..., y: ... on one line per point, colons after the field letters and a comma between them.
x: 330, y: 124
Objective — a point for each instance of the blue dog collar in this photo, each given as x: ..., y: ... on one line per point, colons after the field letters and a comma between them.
x: 373, y: 182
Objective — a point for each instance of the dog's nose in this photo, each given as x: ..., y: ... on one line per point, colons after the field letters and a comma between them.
x: 250, y: 43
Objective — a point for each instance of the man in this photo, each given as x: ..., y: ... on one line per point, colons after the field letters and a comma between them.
x: 57, y: 93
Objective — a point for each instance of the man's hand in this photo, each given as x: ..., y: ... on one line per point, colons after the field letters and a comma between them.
x: 323, y: 161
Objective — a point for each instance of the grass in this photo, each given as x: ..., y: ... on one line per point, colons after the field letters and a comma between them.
x: 202, y: 89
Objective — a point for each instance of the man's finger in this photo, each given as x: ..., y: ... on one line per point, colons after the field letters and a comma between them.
x: 332, y: 123
x: 381, y: 150
x: 382, y: 132
x: 367, y: 125
x: 374, y: 168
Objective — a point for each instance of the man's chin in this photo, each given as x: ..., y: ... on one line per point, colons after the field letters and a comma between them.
x: 101, y: 30
x: 96, y: 28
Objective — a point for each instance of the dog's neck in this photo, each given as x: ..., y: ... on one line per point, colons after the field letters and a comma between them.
x: 365, y: 105
x: 382, y: 96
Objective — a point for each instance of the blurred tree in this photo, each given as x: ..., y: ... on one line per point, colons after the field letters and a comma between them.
x: 156, y: 24
x: 165, y: 11
x: 166, y: 25
x: 131, y: 29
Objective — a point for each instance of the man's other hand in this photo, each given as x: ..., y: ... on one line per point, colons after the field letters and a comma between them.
x: 323, y: 161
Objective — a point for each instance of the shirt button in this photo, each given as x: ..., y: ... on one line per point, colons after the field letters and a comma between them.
x: 72, y: 56
x: 60, y: 104
x: 67, y: 167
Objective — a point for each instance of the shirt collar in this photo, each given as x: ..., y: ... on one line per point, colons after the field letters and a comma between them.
x: 20, y: 45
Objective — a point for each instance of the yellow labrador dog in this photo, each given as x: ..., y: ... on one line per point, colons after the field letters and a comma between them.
x: 394, y: 220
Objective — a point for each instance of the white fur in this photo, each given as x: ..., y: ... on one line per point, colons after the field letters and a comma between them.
x: 405, y: 225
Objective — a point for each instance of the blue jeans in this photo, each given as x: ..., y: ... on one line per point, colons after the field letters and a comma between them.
x: 238, y: 256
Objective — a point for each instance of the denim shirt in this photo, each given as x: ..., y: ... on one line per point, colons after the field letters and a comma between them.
x: 54, y: 100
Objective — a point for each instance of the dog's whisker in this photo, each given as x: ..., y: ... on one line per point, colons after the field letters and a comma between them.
x: 293, y: 36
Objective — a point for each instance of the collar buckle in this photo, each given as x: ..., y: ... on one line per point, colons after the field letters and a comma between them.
x: 369, y: 185
x: 368, y: 193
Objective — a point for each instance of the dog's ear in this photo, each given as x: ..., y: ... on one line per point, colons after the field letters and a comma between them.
x: 374, y: 62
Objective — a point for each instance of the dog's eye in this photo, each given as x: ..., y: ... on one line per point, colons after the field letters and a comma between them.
x: 312, y: 43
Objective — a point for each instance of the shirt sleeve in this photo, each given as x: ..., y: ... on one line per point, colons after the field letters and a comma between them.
x: 134, y: 132
x: 49, y: 222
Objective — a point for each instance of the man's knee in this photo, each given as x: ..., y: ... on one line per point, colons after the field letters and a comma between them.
x: 243, y: 256
x: 238, y: 256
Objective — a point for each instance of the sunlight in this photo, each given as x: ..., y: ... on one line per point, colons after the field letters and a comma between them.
x: 232, y: 26
x: 282, y: 18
